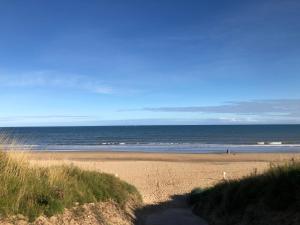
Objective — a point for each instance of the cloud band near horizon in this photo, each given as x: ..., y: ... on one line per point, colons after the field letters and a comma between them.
x: 272, y: 107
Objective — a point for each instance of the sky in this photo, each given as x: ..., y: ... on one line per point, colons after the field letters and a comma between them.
x: 116, y: 62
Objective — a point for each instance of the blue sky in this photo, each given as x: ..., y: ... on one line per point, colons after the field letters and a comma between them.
x: 149, y: 62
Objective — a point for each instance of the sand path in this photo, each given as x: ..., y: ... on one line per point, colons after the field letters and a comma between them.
x: 172, y: 212
x: 175, y: 216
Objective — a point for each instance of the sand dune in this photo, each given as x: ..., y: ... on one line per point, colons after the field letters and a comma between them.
x: 158, y: 176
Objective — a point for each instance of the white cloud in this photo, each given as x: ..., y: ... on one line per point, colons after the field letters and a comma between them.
x: 276, y: 106
x: 258, y: 111
x: 54, y: 79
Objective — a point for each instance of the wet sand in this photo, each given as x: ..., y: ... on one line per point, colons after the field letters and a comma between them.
x: 158, y: 176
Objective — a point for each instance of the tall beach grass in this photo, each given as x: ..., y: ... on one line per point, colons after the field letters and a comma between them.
x: 33, y: 191
x: 272, y: 197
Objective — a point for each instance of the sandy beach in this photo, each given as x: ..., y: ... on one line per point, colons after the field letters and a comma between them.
x: 158, y: 176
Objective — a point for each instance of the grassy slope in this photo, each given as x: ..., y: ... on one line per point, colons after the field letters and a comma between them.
x: 270, y: 198
x: 33, y: 191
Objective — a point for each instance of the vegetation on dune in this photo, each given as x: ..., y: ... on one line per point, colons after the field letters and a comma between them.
x: 269, y: 198
x: 33, y: 191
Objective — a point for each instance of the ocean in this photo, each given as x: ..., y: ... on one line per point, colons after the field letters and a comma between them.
x: 186, y: 139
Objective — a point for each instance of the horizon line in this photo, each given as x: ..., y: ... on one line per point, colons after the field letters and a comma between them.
x: 152, y: 125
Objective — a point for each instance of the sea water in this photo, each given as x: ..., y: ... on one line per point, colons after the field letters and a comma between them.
x: 187, y: 139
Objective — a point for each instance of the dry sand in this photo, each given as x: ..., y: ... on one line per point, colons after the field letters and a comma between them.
x: 158, y: 176
x: 161, y: 178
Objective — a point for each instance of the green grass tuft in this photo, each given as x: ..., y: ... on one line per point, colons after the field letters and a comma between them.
x: 270, y: 198
x: 34, y: 191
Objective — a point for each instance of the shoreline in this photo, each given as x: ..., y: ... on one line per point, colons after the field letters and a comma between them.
x: 163, y: 156
x: 162, y: 148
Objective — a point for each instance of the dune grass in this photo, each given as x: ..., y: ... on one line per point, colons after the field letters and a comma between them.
x: 269, y: 198
x: 33, y: 191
